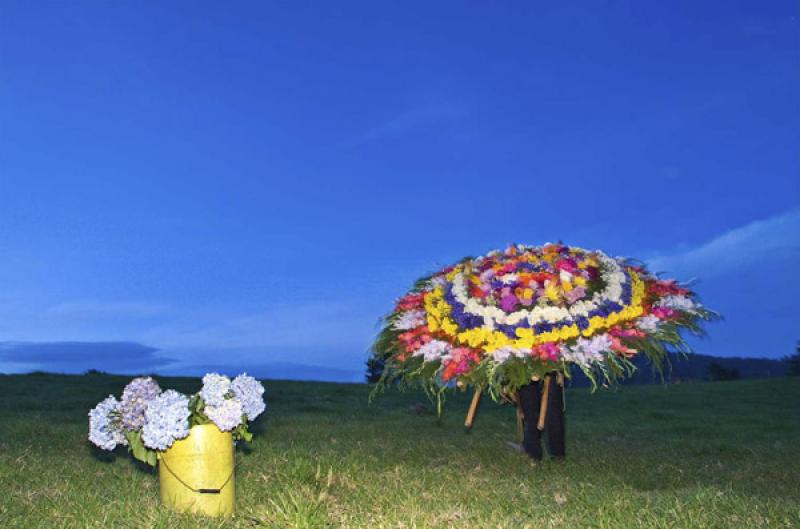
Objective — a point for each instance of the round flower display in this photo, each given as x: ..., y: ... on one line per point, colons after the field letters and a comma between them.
x: 497, y: 320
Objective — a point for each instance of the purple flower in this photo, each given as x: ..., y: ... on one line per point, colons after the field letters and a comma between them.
x: 509, y: 302
x: 135, y: 398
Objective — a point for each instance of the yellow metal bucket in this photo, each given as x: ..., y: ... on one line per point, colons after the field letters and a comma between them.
x: 196, y: 473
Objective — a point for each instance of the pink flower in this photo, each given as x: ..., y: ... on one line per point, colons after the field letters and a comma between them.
x: 663, y: 313
x: 619, y: 332
x: 575, y: 294
x: 618, y: 347
x: 460, y: 361
x: 415, y: 338
x: 546, y: 351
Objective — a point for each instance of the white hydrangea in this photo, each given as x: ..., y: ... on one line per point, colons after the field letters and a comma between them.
x: 433, y: 350
x: 215, y: 388
x: 249, y: 392
x: 166, y: 420
x: 409, y: 320
x: 105, y: 429
x: 135, y: 398
x: 227, y: 415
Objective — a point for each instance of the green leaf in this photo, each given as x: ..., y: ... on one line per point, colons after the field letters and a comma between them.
x: 139, y: 451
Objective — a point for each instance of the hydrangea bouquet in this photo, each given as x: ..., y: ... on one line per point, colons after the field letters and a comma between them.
x: 498, y: 320
x: 148, y: 420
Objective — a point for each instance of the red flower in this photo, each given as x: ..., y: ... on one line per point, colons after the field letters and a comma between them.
x: 461, y: 360
x: 619, y: 332
x: 620, y: 348
x: 663, y: 313
x: 546, y: 351
x: 415, y: 338
x: 568, y: 265
x: 410, y: 302
x: 477, y: 292
x: 666, y: 288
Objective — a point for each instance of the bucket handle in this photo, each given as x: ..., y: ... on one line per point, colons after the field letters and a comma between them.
x: 200, y: 490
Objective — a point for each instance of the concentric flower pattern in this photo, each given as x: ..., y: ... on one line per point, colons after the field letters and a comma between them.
x: 539, y: 308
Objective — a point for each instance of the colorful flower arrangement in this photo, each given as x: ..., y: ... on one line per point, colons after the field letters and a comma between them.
x: 498, y: 320
x: 148, y: 420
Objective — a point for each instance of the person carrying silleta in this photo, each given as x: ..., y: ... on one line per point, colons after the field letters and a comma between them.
x: 542, y: 408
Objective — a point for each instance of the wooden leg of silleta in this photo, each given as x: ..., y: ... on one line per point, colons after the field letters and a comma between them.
x: 543, y: 406
x: 473, y: 408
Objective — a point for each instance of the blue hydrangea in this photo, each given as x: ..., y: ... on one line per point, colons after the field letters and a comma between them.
x: 166, y: 420
x: 135, y: 398
x: 215, y: 388
x: 249, y: 392
x: 227, y: 415
x: 104, y: 424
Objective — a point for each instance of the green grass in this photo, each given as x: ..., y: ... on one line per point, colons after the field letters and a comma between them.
x: 701, y: 455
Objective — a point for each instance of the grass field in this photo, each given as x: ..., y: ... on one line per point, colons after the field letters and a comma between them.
x: 702, y: 455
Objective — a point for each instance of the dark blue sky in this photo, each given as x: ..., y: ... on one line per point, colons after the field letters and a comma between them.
x: 252, y: 184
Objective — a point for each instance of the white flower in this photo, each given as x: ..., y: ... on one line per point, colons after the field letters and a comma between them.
x: 502, y: 354
x: 409, y: 320
x: 678, y: 302
x: 433, y: 350
x: 249, y: 392
x: 648, y: 323
x: 587, y: 351
x: 166, y: 420
x: 215, y: 388
x: 438, y: 281
x: 105, y: 429
x: 227, y: 415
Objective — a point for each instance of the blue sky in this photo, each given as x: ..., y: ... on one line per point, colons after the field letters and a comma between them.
x: 251, y: 185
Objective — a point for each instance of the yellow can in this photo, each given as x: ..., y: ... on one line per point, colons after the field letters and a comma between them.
x: 196, y: 474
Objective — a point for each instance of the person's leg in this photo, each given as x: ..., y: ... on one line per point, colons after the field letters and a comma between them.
x: 554, y: 422
x: 530, y: 401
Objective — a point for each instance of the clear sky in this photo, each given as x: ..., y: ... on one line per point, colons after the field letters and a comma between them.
x: 252, y: 184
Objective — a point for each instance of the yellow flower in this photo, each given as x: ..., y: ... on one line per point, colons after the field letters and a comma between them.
x: 551, y: 292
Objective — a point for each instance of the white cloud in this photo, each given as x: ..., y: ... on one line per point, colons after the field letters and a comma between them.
x: 758, y: 242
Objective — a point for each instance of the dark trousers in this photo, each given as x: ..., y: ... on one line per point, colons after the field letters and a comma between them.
x: 530, y: 400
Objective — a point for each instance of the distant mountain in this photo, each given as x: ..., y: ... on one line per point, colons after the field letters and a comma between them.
x: 274, y: 371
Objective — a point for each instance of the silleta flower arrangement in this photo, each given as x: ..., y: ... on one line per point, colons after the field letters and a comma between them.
x: 498, y: 320
x: 148, y: 420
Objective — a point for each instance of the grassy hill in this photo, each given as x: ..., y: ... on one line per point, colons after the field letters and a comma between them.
x: 699, y: 455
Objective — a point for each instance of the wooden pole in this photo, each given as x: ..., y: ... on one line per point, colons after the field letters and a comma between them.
x: 543, y: 407
x: 473, y: 408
